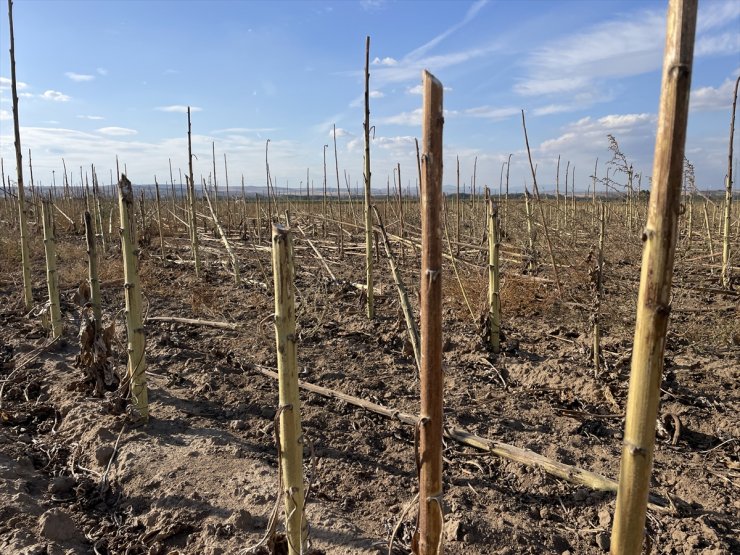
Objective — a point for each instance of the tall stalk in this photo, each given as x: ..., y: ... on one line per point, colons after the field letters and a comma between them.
x: 728, y: 196
x: 92, y: 266
x: 134, y: 324
x: 654, y: 298
x: 494, y: 298
x: 339, y: 196
x: 52, y: 279
x: 191, y: 200
x: 428, y: 539
x: 291, y: 436
x: 368, y: 214
x: 22, y: 215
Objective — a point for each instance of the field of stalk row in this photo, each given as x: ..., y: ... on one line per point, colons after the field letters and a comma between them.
x: 201, y: 476
x: 208, y: 372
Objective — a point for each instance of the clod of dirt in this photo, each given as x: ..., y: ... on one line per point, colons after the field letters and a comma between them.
x: 603, y: 541
x: 453, y: 530
x: 61, y: 485
x: 57, y: 525
x: 103, y: 454
x: 241, y: 520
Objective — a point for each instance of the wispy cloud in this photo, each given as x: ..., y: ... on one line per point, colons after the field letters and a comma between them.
x: 487, y: 112
x: 469, y: 16
x: 5, y: 115
x: 621, y: 47
x: 391, y: 70
x: 94, y: 118
x: 178, y: 108
x: 117, y: 131
x: 102, y: 71
x: 610, y: 49
x: 56, y: 96
x: 717, y: 14
x: 79, y: 77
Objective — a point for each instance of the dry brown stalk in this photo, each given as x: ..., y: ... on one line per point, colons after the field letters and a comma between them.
x: 542, y: 213
x: 368, y: 193
x: 428, y: 538
x: 526, y: 457
x: 408, y: 312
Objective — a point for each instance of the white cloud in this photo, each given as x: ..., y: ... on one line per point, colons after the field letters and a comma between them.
x: 117, y: 131
x: 589, y: 135
x: 340, y: 133
x: 552, y: 109
x: 487, y: 112
x: 102, y: 71
x: 725, y: 43
x: 376, y: 94
x: 5, y: 83
x: 610, y: 49
x: 469, y: 16
x: 148, y: 158
x: 242, y: 130
x: 94, y: 118
x: 371, y: 5
x: 387, y: 61
x: 404, y: 118
x: 717, y: 14
x: 418, y: 89
x: 711, y: 98
x: 398, y: 146
x: 179, y: 108
x: 56, y: 96
x: 409, y: 67
x: 79, y: 77
x: 631, y: 44
x: 5, y: 115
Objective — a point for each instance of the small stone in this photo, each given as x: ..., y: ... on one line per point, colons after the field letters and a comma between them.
x: 24, y: 438
x: 238, y: 425
x: 61, y: 484
x: 103, y: 454
x: 453, y: 530
x: 603, y: 541
x: 57, y: 525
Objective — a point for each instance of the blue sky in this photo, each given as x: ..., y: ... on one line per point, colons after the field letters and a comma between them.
x: 100, y: 78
